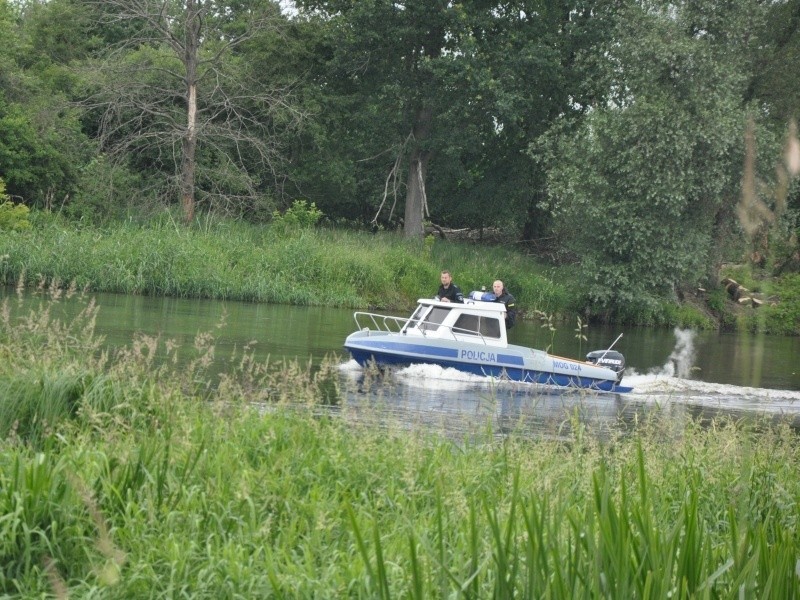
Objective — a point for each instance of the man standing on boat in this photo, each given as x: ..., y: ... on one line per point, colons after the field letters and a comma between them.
x: 502, y: 295
x: 449, y: 291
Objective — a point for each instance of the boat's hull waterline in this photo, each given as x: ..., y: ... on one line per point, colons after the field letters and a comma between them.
x: 417, y: 342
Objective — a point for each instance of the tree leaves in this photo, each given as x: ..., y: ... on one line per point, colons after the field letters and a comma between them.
x: 651, y: 169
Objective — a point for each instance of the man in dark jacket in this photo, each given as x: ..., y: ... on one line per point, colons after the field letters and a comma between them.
x: 502, y: 295
x: 449, y: 291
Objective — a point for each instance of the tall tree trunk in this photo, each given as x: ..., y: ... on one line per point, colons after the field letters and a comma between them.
x: 189, y: 147
x: 189, y: 142
x: 721, y: 235
x: 416, y: 201
x: 415, y: 195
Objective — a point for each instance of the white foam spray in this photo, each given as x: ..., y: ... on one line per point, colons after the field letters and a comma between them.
x: 680, y: 361
x: 674, y: 373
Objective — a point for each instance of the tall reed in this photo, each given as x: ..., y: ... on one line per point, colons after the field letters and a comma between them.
x: 232, y: 260
x: 271, y: 483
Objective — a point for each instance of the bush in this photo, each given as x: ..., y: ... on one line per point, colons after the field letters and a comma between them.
x: 300, y: 215
x: 13, y: 217
x: 106, y: 192
x: 784, y: 317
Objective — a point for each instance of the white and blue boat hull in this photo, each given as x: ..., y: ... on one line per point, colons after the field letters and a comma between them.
x: 512, y: 362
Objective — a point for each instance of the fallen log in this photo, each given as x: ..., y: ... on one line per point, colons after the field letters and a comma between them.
x: 480, y: 234
x: 735, y: 291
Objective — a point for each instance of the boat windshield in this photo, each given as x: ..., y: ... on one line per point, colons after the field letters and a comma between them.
x: 416, y: 316
x: 434, y: 319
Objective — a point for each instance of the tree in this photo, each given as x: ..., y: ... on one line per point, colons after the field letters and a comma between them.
x: 399, y: 58
x: 524, y: 74
x: 41, y: 145
x: 640, y: 185
x: 774, y: 84
x: 174, y: 93
x: 439, y: 100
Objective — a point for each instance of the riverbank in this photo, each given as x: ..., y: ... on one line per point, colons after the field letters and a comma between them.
x: 303, y: 266
x: 123, y: 480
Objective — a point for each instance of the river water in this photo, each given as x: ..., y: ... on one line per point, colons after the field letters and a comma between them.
x: 680, y: 372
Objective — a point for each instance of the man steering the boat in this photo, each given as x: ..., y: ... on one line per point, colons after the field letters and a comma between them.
x: 502, y: 295
x: 449, y: 291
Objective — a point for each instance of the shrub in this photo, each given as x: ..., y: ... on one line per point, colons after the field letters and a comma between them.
x: 13, y: 217
x: 300, y: 215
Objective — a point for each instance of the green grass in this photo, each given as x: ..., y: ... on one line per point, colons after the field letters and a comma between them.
x: 233, y: 260
x: 155, y: 483
x: 238, y: 261
x: 784, y: 315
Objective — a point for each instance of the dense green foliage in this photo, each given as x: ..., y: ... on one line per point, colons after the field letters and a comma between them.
x: 126, y: 477
x: 662, y: 155
x: 12, y: 216
x: 606, y: 135
x: 42, y: 145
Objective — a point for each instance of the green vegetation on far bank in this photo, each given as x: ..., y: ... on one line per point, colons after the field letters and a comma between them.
x: 288, y: 265
x: 119, y: 479
x: 305, y: 266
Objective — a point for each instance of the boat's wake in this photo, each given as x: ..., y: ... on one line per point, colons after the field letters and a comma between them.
x: 673, y: 382
x: 451, y: 400
x: 663, y: 388
x: 658, y: 386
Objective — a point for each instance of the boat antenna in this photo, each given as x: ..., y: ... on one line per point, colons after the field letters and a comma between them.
x: 609, y: 348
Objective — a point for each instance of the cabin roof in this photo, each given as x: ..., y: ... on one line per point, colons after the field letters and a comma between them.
x: 470, y: 305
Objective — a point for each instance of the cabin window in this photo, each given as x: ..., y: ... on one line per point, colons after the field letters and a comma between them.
x: 434, y: 319
x: 467, y: 324
x: 475, y: 325
x: 490, y: 327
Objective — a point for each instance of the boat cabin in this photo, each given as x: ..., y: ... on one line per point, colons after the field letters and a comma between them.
x: 472, y: 321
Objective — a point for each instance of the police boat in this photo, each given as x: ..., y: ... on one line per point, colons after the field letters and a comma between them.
x: 472, y: 337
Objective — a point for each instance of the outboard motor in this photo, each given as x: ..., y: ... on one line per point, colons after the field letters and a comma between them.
x: 610, y: 359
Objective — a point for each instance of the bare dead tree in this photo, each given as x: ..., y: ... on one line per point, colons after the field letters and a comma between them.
x: 416, y: 196
x: 392, y: 180
x: 166, y: 89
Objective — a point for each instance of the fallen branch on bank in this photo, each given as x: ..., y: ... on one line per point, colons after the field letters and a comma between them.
x: 741, y: 295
